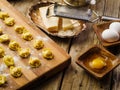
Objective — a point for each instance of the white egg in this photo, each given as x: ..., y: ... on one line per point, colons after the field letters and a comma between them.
x: 115, y: 26
x: 110, y: 35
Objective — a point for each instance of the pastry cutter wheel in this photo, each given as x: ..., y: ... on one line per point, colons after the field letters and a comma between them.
x: 77, y: 13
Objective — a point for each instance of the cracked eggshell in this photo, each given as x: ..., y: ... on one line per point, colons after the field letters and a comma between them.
x: 110, y: 35
x: 115, y: 26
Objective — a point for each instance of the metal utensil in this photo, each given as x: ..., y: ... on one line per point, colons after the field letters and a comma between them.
x: 65, y: 11
x: 78, y: 13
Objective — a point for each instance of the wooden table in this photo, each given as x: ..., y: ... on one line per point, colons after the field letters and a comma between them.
x: 74, y: 77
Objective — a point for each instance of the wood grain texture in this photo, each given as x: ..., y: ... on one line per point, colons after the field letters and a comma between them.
x: 47, y: 68
x: 75, y: 78
x: 64, y: 43
x: 114, y: 11
x: 112, y: 8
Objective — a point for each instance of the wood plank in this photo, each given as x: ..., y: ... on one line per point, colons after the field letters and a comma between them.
x: 113, y: 9
x: 116, y: 79
x: 48, y: 67
x: 54, y: 82
x: 100, y: 7
x: 78, y: 79
x: 75, y: 77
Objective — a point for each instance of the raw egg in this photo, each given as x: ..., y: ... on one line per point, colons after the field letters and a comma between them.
x: 115, y: 26
x: 97, y: 63
x: 110, y: 35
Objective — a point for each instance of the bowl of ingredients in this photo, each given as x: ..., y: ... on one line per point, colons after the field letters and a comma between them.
x: 55, y: 26
x: 108, y: 32
x: 98, y: 61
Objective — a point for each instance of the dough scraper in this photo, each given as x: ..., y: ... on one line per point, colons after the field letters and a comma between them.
x: 77, y: 13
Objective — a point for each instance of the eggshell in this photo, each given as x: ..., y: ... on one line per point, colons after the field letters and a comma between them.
x: 115, y: 26
x: 110, y: 35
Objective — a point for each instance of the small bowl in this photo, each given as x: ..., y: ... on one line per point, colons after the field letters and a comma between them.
x: 97, y: 51
x: 99, y: 28
x: 34, y: 16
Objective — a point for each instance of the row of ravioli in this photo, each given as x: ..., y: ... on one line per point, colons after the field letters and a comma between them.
x: 9, y: 21
x: 16, y: 71
x: 26, y: 35
x: 8, y: 60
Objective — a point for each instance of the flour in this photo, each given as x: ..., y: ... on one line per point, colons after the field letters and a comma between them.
x: 2, y: 68
x: 93, y: 2
x: 6, y: 74
x: 16, y: 58
x: 28, y: 67
x: 39, y: 37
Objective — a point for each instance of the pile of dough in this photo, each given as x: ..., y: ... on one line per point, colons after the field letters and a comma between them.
x: 13, y: 45
x: 54, y: 24
x: 2, y: 52
x: 34, y: 62
x: 9, y: 21
x: 4, y: 38
x: 2, y: 79
x: 1, y: 31
x: 3, y: 15
x: 24, y: 53
x: 19, y: 29
x: 8, y: 60
x: 15, y: 71
x: 27, y: 36
x: 46, y: 52
x: 38, y: 44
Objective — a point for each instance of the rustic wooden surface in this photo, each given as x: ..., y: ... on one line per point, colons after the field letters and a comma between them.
x: 48, y: 67
x: 74, y: 77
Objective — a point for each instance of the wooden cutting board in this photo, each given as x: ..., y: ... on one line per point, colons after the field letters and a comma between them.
x: 47, y: 68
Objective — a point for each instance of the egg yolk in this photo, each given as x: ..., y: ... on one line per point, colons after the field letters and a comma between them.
x: 98, y: 63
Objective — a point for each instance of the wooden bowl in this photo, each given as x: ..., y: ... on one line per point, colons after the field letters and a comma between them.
x: 35, y: 17
x: 97, y: 51
x: 99, y: 28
